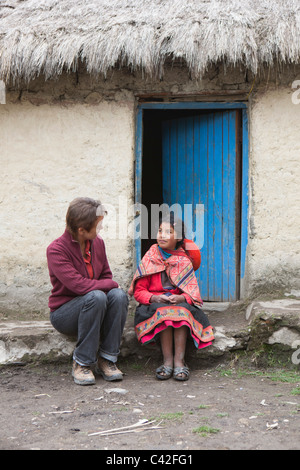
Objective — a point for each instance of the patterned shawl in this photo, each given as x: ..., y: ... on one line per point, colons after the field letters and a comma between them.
x: 178, y: 268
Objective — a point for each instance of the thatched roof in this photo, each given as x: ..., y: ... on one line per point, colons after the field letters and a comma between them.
x: 50, y: 36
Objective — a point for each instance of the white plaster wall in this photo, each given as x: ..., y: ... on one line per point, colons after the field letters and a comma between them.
x: 60, y: 140
x: 274, y: 235
x: 49, y: 155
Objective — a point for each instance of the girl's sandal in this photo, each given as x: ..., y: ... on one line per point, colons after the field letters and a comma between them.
x: 164, y: 372
x: 181, y: 370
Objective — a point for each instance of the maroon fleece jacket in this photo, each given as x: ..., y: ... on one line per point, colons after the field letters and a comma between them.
x: 68, y: 273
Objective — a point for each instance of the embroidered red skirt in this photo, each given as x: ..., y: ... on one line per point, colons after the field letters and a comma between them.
x: 151, y: 319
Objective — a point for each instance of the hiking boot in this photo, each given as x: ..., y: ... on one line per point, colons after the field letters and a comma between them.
x: 82, y: 374
x: 108, y: 370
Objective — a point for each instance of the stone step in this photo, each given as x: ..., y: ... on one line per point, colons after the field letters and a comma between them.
x: 276, y: 322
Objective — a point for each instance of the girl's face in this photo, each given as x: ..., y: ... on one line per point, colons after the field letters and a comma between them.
x: 167, y: 237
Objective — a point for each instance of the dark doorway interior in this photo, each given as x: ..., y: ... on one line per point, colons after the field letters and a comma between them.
x: 151, y: 166
x: 152, y: 190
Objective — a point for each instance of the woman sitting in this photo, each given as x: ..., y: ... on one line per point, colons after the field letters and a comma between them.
x: 85, y: 300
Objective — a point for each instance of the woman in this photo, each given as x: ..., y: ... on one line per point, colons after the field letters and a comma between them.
x: 85, y: 301
x: 169, y: 299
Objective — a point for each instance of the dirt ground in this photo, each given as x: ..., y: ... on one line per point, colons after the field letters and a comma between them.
x: 219, y: 408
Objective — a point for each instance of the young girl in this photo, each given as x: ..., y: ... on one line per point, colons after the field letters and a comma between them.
x: 169, y: 301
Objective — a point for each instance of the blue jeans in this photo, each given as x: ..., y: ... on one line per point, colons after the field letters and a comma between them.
x: 97, y: 320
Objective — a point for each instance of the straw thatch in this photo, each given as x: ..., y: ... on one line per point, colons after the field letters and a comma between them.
x: 50, y: 36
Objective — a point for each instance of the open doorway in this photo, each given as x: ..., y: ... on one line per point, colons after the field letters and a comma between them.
x: 152, y: 162
x: 195, y: 155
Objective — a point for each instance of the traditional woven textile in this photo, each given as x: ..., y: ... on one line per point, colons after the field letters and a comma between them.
x: 178, y: 267
x: 151, y: 320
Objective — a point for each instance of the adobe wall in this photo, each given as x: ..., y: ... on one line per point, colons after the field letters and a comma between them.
x: 75, y: 136
x: 51, y: 154
x: 274, y: 231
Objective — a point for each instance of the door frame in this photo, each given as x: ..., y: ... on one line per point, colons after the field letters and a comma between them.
x: 244, y: 173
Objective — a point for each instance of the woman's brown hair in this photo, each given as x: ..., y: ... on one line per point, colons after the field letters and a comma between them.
x: 83, y: 212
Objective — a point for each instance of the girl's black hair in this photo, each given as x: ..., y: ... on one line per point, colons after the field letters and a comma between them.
x: 177, y: 225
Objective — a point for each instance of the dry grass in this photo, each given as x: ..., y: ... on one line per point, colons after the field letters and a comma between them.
x: 51, y: 36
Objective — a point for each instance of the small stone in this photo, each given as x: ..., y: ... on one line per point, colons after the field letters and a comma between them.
x: 122, y: 391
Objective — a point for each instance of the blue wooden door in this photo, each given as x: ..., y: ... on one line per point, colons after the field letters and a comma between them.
x: 200, y: 172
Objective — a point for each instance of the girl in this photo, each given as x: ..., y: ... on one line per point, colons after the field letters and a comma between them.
x: 169, y: 300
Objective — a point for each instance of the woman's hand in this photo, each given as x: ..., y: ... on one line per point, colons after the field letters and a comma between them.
x: 176, y: 299
x: 164, y: 299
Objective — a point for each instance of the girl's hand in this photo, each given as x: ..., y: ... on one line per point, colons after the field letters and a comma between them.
x: 159, y: 299
x: 176, y: 299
